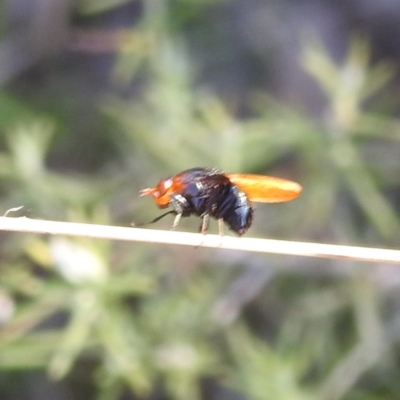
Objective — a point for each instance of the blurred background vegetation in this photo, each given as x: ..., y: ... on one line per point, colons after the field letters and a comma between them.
x: 101, y: 98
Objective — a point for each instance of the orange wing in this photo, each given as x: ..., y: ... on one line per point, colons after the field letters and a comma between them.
x: 266, y: 189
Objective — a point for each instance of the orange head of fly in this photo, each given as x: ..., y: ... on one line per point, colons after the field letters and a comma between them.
x: 161, y: 193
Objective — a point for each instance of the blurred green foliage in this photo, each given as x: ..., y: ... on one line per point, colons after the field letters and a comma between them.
x: 115, y: 321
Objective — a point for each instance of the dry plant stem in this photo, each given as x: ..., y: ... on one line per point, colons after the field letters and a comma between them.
x: 24, y: 224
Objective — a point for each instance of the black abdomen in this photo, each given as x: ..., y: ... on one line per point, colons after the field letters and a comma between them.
x: 236, y: 210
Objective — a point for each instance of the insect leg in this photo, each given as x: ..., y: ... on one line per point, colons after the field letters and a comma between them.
x: 154, y: 220
x: 221, y: 227
x: 176, y: 221
x: 204, y: 225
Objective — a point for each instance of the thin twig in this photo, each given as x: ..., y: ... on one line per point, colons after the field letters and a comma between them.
x: 24, y: 224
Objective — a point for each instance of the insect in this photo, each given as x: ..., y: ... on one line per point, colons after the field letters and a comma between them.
x: 207, y: 192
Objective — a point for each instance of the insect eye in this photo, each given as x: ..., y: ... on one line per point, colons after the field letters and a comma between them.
x: 163, y: 187
x: 167, y: 184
